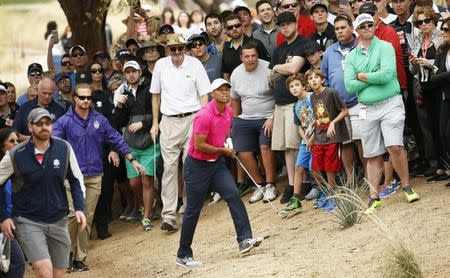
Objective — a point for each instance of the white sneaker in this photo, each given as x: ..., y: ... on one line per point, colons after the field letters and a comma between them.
x: 283, y: 173
x: 215, y: 198
x: 188, y: 262
x: 182, y: 209
x: 270, y: 192
x: 257, y: 195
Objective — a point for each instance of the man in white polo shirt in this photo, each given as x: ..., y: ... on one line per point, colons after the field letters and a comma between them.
x: 180, y: 86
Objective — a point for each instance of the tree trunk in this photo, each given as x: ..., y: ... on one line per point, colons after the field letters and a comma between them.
x: 87, y: 19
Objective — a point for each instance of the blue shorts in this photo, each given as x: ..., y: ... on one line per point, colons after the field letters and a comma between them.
x: 304, y: 158
x: 248, y: 135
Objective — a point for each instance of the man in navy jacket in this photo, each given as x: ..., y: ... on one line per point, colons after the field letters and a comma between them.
x: 86, y: 130
x: 39, y: 167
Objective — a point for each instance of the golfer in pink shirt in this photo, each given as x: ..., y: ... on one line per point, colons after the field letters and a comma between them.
x: 205, y: 172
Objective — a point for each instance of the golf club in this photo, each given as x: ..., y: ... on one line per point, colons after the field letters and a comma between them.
x: 258, y: 186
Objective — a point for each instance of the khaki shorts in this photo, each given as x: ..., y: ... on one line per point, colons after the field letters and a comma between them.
x: 383, y: 126
x: 353, y: 124
x: 285, y: 133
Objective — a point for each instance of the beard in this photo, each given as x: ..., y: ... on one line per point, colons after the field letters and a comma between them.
x: 42, y: 136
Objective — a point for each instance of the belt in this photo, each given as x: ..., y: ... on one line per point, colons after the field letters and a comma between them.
x: 182, y: 115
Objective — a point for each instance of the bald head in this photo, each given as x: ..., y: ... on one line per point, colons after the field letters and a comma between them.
x: 46, y: 88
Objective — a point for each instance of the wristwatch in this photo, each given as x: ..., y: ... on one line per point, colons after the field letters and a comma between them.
x: 132, y: 159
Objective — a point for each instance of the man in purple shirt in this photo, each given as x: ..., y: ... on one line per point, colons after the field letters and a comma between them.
x: 205, y: 171
x: 87, y: 130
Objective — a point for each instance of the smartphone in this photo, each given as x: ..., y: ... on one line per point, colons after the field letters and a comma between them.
x: 55, y: 33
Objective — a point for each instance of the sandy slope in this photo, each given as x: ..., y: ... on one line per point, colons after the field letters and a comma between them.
x: 307, y: 245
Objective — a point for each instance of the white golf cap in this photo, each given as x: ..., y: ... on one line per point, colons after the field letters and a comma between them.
x: 362, y: 18
x: 217, y: 83
x: 132, y: 64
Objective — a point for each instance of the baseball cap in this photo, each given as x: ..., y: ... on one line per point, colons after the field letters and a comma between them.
x: 362, y: 18
x: 121, y: 53
x: 368, y: 8
x: 77, y: 47
x: 286, y: 17
x: 3, y: 88
x: 38, y: 113
x: 318, y: 4
x: 131, y: 42
x: 312, y: 47
x: 217, y: 83
x: 61, y: 75
x: 132, y: 64
x: 35, y: 68
x: 101, y: 54
x: 241, y: 8
x: 166, y: 29
x: 197, y: 37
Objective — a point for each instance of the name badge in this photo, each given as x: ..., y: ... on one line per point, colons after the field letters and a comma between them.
x: 362, y: 112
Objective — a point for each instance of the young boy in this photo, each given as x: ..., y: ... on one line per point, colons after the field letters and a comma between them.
x: 304, y: 119
x: 330, y: 129
x: 314, y: 54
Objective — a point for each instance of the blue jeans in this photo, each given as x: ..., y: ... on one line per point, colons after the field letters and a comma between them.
x: 17, y: 263
x: 202, y: 177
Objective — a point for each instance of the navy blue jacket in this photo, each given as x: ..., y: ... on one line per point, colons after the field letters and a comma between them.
x: 21, y: 121
x: 39, y: 193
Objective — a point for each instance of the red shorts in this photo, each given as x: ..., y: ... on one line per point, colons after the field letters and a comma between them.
x: 326, y: 158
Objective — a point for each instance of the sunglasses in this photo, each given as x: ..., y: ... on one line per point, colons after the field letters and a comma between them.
x: 291, y: 5
x: 13, y: 141
x: 84, y: 97
x: 445, y: 29
x: 66, y: 64
x: 150, y: 49
x: 46, y: 123
x: 420, y: 22
x: 35, y: 74
x: 175, y: 48
x: 96, y: 70
x: 366, y: 25
x: 166, y: 31
x: 196, y: 44
x: 78, y: 55
x: 235, y: 26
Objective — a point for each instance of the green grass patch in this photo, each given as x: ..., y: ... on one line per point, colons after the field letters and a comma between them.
x: 8, y: 2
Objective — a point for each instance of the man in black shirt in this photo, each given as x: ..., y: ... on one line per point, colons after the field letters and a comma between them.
x: 231, y: 50
x: 325, y: 35
x: 288, y: 58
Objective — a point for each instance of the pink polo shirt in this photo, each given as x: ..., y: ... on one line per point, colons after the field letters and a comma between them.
x: 209, y: 121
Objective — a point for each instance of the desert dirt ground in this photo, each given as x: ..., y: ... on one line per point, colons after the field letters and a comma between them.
x: 310, y: 244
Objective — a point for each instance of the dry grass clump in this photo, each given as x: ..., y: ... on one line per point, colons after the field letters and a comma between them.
x: 404, y: 263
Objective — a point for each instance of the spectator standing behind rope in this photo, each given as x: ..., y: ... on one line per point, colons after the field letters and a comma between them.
x: 39, y: 215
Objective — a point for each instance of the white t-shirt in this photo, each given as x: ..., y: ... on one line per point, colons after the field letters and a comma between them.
x: 252, y: 88
x: 180, y: 88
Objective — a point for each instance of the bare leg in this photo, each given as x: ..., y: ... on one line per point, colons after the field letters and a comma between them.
x: 348, y: 159
x: 298, y: 181
x: 268, y: 157
x: 361, y: 157
x: 331, y: 179
x: 290, y: 156
x: 400, y: 163
x: 374, y: 168
x: 148, y: 191
x: 251, y: 165
x: 388, y: 172
x: 125, y: 189
x: 43, y: 268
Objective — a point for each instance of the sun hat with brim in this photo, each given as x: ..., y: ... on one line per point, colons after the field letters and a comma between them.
x: 175, y: 39
x: 141, y: 51
x: 362, y: 18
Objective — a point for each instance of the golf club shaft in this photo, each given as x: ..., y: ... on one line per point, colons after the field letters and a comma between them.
x: 257, y: 185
